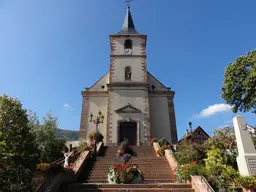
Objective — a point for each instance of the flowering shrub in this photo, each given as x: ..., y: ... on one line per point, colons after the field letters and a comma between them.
x: 125, y: 149
x: 183, y: 173
x: 165, y: 146
x: 43, y: 167
x: 125, y: 158
x: 124, y: 174
x: 161, y: 151
x: 247, y: 182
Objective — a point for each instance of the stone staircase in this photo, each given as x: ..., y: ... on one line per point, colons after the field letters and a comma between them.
x: 156, y: 171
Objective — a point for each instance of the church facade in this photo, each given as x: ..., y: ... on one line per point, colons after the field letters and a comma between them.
x: 136, y: 106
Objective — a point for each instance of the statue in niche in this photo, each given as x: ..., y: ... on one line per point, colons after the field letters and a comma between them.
x: 128, y: 73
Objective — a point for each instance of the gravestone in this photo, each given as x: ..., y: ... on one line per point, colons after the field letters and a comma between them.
x: 246, y: 159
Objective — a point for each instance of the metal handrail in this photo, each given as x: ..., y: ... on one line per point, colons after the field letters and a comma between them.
x: 209, y: 188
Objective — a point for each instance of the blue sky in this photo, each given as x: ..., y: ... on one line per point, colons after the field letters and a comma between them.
x: 50, y: 50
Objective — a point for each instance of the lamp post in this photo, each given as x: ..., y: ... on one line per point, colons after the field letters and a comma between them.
x: 190, y: 125
x: 98, y: 120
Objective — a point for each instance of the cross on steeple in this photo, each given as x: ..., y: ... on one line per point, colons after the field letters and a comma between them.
x: 128, y: 25
x: 128, y: 2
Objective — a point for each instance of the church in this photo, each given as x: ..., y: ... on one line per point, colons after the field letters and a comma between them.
x: 135, y: 104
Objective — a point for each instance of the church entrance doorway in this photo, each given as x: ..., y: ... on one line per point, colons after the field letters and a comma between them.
x: 128, y: 131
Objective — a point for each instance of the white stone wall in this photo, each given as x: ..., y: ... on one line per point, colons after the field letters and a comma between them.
x: 136, y: 41
x: 153, y: 81
x: 121, y: 98
x: 134, y: 63
x: 159, y: 117
x: 96, y: 104
x: 98, y: 85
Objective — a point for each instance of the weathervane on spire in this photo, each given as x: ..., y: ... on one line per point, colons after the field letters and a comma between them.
x: 128, y: 2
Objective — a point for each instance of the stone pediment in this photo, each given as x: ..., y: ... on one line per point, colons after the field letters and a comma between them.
x: 128, y: 109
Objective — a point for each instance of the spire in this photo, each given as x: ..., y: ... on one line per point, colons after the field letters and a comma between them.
x: 128, y: 25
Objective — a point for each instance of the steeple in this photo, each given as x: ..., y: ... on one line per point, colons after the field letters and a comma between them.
x: 128, y: 25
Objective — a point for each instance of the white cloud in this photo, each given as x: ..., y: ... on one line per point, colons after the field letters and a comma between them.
x: 67, y: 106
x: 213, y: 109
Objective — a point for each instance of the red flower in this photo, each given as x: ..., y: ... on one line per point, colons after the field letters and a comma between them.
x: 193, y: 163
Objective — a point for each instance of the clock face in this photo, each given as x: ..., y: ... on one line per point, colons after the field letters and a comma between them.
x: 128, y: 51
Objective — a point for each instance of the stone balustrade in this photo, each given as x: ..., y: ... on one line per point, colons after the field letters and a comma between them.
x: 156, y: 147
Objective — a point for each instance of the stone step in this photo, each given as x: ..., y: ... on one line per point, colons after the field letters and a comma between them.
x: 160, y: 185
x: 132, y: 159
x: 169, y: 177
x: 145, y: 181
x: 145, y: 174
x: 139, y: 190
x: 146, y: 170
x: 98, y: 164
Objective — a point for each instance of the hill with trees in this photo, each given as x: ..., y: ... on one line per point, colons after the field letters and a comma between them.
x: 68, y: 135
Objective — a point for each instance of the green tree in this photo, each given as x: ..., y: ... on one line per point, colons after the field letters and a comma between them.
x: 225, y: 140
x: 218, y: 168
x: 188, y: 152
x: 51, y: 147
x: 18, y: 149
x: 240, y: 82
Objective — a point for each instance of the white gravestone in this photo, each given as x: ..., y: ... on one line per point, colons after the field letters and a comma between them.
x: 246, y: 159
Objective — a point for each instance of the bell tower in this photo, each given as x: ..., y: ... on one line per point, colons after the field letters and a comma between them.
x: 128, y: 54
x: 128, y: 83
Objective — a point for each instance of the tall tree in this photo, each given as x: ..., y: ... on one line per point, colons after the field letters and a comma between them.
x: 18, y: 149
x: 51, y: 147
x: 239, y: 89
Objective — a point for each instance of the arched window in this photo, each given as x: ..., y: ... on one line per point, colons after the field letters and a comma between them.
x: 128, y: 44
x: 128, y: 73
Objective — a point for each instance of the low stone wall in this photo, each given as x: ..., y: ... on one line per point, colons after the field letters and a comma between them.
x: 156, y: 147
x: 79, y: 160
x: 200, y: 184
x: 171, y: 159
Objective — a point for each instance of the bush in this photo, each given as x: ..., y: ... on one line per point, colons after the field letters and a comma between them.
x: 161, y: 152
x: 165, y: 147
x: 188, y: 152
x: 162, y: 142
x: 184, y: 172
x: 43, y: 167
x: 247, y: 182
